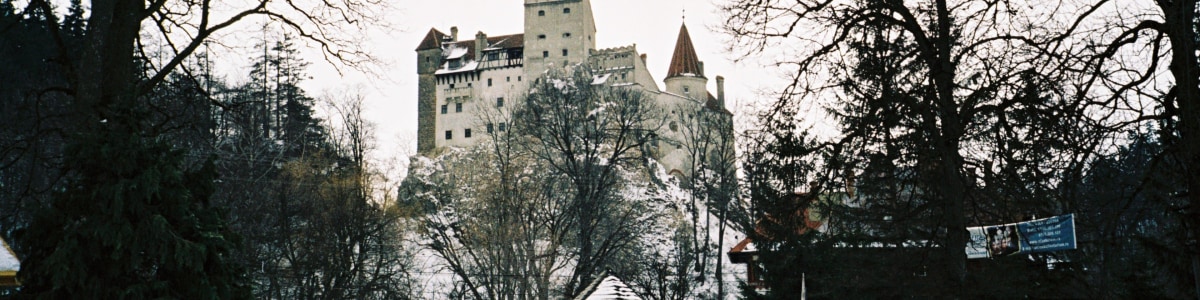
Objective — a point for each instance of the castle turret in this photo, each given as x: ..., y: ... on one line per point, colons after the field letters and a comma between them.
x: 429, y: 58
x: 686, y: 74
x: 557, y: 32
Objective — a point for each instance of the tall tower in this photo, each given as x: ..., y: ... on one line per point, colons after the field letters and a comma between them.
x: 685, y: 77
x: 429, y: 58
x: 557, y: 32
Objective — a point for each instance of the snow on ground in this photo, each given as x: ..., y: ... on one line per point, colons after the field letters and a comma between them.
x: 664, y: 196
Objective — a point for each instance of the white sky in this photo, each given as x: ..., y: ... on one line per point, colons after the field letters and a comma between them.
x: 391, y: 93
x: 652, y: 25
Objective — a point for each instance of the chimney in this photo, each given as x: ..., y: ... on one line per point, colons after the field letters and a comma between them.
x: 701, y: 69
x: 643, y: 58
x: 480, y: 43
x: 454, y: 33
x: 720, y: 90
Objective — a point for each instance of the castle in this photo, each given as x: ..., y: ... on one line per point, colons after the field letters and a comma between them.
x: 458, y: 77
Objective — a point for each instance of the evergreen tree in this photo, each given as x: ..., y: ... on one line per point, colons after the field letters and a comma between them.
x: 132, y: 224
x: 73, y: 23
x: 8, y: 13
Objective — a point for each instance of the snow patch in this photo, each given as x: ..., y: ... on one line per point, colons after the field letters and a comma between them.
x: 600, y: 79
x: 613, y: 288
x: 8, y: 260
x: 457, y: 52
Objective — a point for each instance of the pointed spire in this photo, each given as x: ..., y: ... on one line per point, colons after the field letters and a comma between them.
x: 684, y: 61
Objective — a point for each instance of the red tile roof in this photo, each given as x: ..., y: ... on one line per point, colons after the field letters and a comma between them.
x: 432, y: 40
x: 684, y: 61
x: 715, y: 105
x: 507, y: 41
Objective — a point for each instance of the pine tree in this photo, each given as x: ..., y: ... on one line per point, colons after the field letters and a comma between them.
x: 132, y: 224
x: 8, y: 13
x: 73, y: 23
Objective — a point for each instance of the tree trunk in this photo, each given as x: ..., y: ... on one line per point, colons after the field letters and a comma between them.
x: 953, y: 191
x: 1180, y: 17
x: 106, y: 72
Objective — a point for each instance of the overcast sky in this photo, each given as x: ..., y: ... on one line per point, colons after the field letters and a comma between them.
x: 653, y: 25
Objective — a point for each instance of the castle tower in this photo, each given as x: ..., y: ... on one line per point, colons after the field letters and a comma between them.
x: 685, y: 76
x: 429, y: 57
x: 557, y: 32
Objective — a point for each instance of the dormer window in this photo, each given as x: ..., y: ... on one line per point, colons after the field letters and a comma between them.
x: 455, y: 64
x: 566, y: 10
x: 541, y: 13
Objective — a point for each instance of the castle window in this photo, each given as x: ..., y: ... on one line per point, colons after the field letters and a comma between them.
x: 458, y: 107
x: 545, y: 54
x: 508, y: 79
x: 564, y: 52
x: 566, y: 10
x: 467, y: 133
x: 444, y: 109
x: 501, y: 128
x: 489, y: 82
x: 686, y: 89
x: 500, y: 102
x: 490, y: 127
x: 674, y: 126
x: 449, y: 134
x: 541, y: 36
x: 518, y: 78
x: 541, y: 13
x: 566, y: 34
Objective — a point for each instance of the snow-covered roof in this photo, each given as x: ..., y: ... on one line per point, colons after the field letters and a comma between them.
x: 469, y: 66
x: 457, y: 52
x: 609, y: 288
x: 8, y: 260
x: 9, y: 265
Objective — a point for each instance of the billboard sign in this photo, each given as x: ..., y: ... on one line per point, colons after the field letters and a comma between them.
x: 1036, y: 236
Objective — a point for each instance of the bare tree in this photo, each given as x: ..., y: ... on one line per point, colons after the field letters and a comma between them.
x: 588, y: 133
x: 959, y: 62
x: 1130, y: 85
x: 706, y: 136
